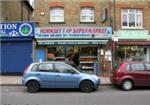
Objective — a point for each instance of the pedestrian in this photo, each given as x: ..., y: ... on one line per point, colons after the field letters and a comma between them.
x: 69, y: 61
x: 76, y: 59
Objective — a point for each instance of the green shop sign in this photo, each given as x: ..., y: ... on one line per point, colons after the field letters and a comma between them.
x: 71, y: 42
x: 132, y: 34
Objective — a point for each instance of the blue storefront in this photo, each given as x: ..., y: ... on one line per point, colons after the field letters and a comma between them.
x: 16, y: 46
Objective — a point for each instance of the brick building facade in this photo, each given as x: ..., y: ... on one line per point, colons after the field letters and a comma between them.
x: 19, y: 10
x: 71, y: 12
x: 16, y: 48
x: 132, y: 30
x: 84, y: 16
x: 129, y: 21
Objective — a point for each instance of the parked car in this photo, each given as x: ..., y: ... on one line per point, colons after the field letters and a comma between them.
x: 57, y: 75
x: 131, y: 74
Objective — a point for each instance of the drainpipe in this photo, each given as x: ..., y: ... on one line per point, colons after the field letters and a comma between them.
x: 113, y: 41
x: 21, y: 10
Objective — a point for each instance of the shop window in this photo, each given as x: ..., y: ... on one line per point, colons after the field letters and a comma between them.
x: 131, y: 53
x: 57, y: 14
x: 88, y: 51
x: 132, y: 18
x: 87, y: 14
x: 55, y: 53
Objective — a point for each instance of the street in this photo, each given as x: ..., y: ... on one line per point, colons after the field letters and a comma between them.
x: 105, y: 95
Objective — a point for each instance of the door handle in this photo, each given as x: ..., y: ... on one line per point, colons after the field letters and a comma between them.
x: 38, y: 74
x: 58, y: 76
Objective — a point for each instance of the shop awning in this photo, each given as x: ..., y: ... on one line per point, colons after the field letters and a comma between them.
x: 133, y: 42
x: 71, y: 42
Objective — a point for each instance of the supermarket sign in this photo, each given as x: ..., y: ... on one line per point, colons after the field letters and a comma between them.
x: 73, y: 32
x: 16, y: 29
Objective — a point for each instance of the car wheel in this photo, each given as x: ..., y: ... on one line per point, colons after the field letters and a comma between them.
x: 86, y: 86
x: 33, y: 86
x: 127, y: 85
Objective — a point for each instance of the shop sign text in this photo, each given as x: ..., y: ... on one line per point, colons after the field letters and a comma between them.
x: 17, y: 29
x: 74, y: 32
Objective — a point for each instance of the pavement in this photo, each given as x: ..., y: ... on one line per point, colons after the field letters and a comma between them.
x: 16, y: 80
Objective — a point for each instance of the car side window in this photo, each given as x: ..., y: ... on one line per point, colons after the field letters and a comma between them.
x: 35, y: 67
x: 62, y: 68
x: 127, y: 67
x: 147, y: 66
x: 45, y: 67
x: 137, y: 67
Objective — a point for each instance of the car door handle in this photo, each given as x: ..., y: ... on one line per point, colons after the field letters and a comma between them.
x: 38, y: 74
x: 58, y: 76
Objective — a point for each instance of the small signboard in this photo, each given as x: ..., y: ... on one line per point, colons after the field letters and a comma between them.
x: 17, y: 29
x: 71, y: 42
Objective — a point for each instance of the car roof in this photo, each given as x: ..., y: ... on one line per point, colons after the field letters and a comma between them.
x: 48, y: 62
x: 130, y: 62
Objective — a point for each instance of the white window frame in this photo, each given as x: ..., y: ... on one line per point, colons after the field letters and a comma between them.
x: 56, y: 11
x: 83, y: 12
x: 140, y: 12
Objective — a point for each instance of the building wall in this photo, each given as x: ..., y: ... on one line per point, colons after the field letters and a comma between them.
x: 129, y: 35
x: 15, y: 11
x: 72, y: 12
x: 135, y: 4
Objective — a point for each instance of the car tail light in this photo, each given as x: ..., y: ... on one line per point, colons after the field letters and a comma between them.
x: 26, y: 69
x: 119, y: 72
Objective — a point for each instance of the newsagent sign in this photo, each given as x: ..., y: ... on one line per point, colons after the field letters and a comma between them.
x: 73, y: 32
x: 17, y: 29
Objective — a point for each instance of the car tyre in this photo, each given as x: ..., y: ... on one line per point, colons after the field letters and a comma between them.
x: 33, y: 86
x: 86, y: 86
x: 127, y: 85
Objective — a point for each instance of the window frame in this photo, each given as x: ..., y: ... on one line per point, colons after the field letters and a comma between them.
x: 146, y: 67
x: 49, y: 71
x: 137, y: 70
x: 87, y: 9
x: 129, y: 67
x: 51, y: 9
x: 135, y: 16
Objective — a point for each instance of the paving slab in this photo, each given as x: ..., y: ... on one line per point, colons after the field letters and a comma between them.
x: 16, y: 80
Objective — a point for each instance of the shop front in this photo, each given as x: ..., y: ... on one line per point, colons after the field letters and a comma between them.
x: 133, y: 45
x: 16, y: 46
x: 85, y: 45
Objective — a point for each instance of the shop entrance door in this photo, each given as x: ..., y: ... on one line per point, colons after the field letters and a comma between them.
x: 40, y: 55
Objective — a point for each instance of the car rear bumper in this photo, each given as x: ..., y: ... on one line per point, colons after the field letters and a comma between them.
x: 115, y: 80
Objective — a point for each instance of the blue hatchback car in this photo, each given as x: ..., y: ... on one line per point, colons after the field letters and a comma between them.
x: 57, y: 75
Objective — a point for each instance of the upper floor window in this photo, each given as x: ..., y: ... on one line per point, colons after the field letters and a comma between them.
x: 87, y: 14
x: 132, y: 18
x: 56, y: 14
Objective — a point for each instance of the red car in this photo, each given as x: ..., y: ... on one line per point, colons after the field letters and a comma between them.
x: 131, y: 74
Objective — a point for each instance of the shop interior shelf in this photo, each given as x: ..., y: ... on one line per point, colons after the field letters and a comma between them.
x: 84, y: 62
x: 88, y: 57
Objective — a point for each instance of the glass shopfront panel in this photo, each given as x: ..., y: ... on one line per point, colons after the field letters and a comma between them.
x: 131, y: 53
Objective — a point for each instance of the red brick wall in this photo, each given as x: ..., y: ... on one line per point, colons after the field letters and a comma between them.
x: 72, y: 12
x: 138, y: 4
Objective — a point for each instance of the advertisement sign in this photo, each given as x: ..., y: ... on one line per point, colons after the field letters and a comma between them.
x: 73, y: 32
x: 17, y: 29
